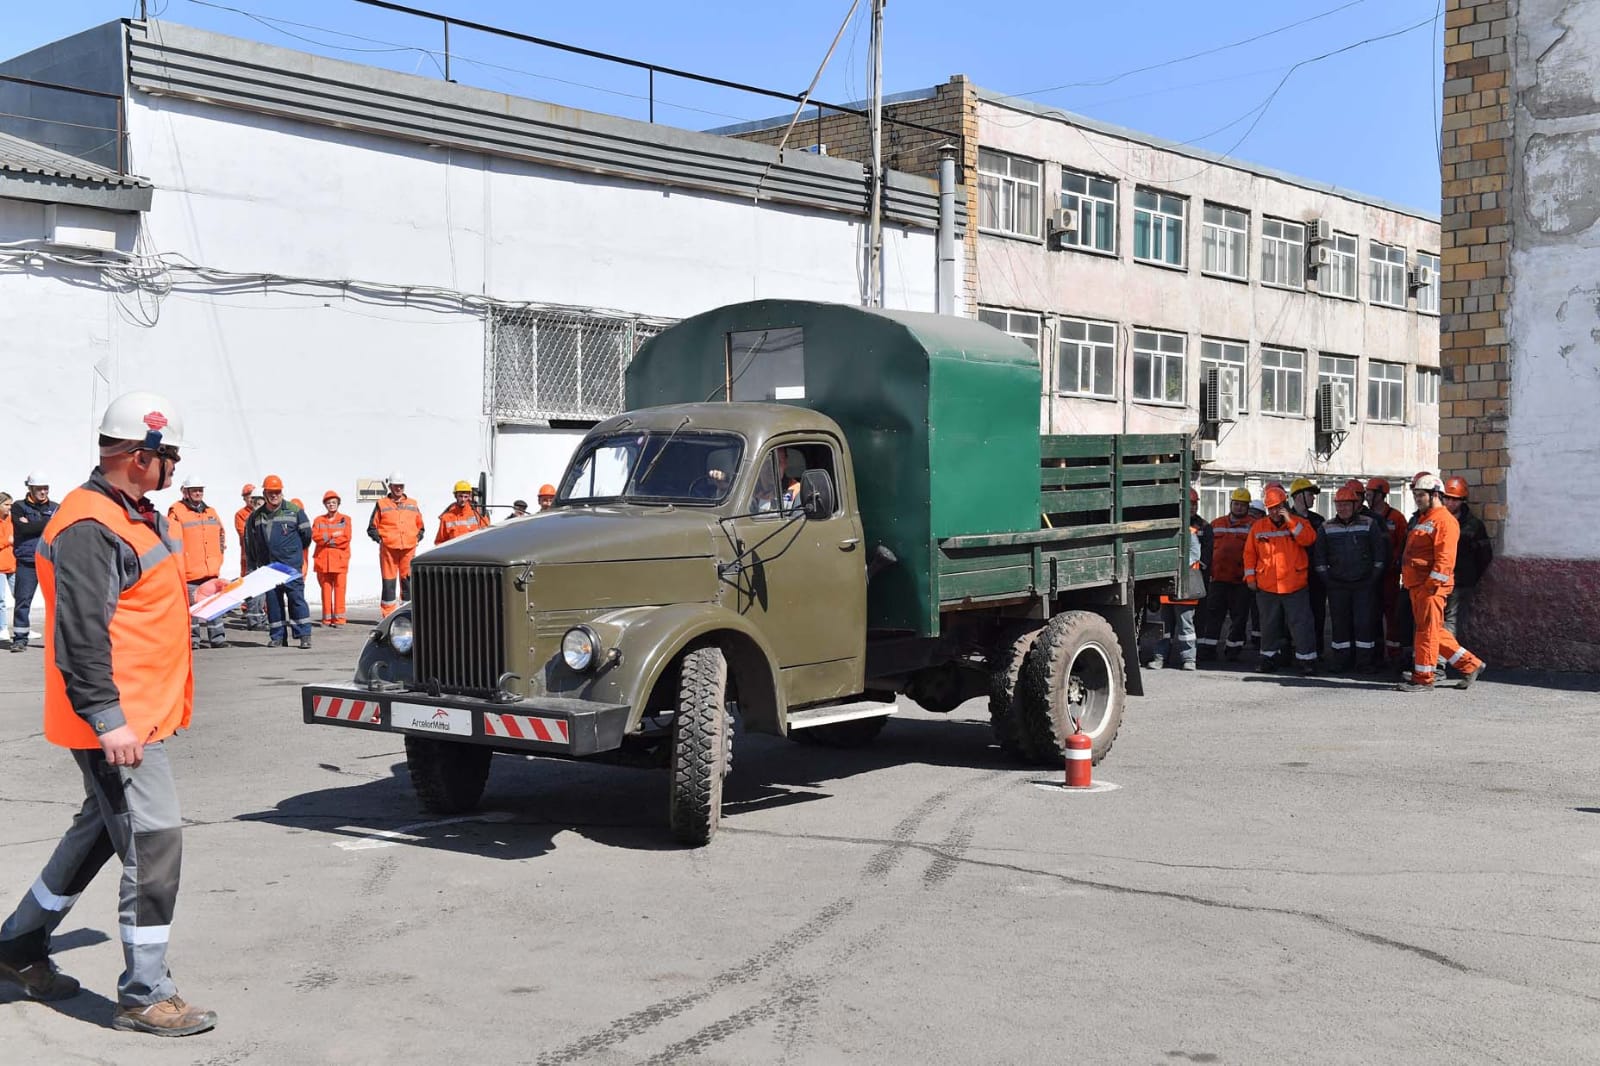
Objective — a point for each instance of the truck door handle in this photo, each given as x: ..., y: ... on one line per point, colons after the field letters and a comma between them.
x: 849, y: 544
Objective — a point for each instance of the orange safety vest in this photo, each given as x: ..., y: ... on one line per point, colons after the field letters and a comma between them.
x: 458, y: 521
x: 1276, y: 557
x: 399, y: 524
x: 151, y: 663
x: 331, y: 535
x: 1430, y: 553
x: 8, y: 551
x: 202, y: 540
x: 1227, y: 548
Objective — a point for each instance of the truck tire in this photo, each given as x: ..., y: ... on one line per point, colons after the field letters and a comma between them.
x: 1003, y: 692
x: 856, y: 733
x: 700, y: 743
x: 448, y: 777
x: 1073, y: 669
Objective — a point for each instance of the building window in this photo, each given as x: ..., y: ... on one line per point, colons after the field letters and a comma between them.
x: 1086, y: 359
x: 1388, y: 265
x: 1215, y: 493
x: 1338, y: 278
x: 1023, y: 325
x: 1158, y: 227
x: 1283, y: 381
x: 1338, y: 368
x: 1095, y: 201
x: 1283, y: 253
x: 1220, y: 353
x: 1158, y: 366
x: 1224, y: 241
x: 1428, y: 295
x: 1386, y: 392
x: 1008, y: 194
x: 1427, y: 385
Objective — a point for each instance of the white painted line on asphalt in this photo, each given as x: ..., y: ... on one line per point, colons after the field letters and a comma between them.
x: 407, y: 834
x: 1057, y: 786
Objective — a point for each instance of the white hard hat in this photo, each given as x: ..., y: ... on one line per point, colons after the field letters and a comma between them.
x: 1257, y: 503
x: 395, y: 479
x: 193, y: 483
x: 147, y: 417
x: 37, y: 480
x: 1426, y: 482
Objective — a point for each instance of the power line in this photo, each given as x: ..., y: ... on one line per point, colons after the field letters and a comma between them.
x: 1193, y: 55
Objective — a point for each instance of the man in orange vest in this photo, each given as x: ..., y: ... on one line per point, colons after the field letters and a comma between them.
x: 396, y: 527
x: 255, y: 608
x: 1276, y: 564
x: 8, y: 566
x: 1427, y: 573
x: 118, y: 681
x: 1228, y: 596
x: 204, y: 543
x: 461, y: 517
x: 330, y: 533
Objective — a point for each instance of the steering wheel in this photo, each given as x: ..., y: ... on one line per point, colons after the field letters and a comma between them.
x: 705, y: 487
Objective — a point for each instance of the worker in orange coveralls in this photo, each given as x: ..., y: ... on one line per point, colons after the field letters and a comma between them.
x: 1427, y: 573
x: 330, y: 538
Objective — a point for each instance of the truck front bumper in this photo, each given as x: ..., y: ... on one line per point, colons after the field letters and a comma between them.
x: 547, y: 725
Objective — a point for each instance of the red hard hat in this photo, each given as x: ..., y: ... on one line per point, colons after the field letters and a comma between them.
x: 248, y: 490
x: 1378, y: 484
x: 331, y: 495
x: 1275, y: 496
x: 1348, y: 493
x: 547, y: 490
x: 1194, y: 494
x: 272, y: 483
x: 1355, y: 485
x: 1456, y: 487
x: 1277, y: 485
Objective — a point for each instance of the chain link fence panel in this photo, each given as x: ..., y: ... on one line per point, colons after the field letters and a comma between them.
x: 559, y: 363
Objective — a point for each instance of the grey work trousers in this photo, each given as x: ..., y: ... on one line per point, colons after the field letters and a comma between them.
x: 1458, y: 612
x: 1176, y: 647
x: 132, y: 813
x: 214, y: 631
x: 1286, y: 616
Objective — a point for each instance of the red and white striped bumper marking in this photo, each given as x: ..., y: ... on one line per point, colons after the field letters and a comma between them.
x: 345, y: 710
x: 521, y: 727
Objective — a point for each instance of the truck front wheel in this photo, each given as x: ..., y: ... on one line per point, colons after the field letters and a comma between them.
x: 1073, y: 671
x: 448, y: 777
x: 700, y: 742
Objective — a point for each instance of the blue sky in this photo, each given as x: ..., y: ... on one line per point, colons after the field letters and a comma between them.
x: 1364, y: 119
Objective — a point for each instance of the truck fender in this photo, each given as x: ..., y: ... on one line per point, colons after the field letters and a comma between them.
x: 1126, y: 627
x: 652, y: 638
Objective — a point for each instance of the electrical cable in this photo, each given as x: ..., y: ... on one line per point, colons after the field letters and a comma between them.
x: 1435, y: 88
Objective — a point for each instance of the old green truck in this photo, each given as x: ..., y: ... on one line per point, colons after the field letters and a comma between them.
x: 807, y: 510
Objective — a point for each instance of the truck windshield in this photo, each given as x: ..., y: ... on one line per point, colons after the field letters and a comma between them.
x: 654, y: 467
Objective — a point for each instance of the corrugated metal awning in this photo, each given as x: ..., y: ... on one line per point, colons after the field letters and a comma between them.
x: 21, y: 156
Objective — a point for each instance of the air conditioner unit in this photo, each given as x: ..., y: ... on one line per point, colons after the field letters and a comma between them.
x: 1333, y: 407
x: 1205, y: 451
x: 1321, y: 256
x: 1420, y: 278
x: 1065, y: 220
x: 1221, y: 400
x: 1319, y: 230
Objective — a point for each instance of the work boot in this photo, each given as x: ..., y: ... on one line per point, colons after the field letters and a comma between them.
x: 278, y: 642
x: 20, y: 644
x: 40, y: 980
x: 1267, y: 666
x: 1189, y: 665
x: 1155, y: 664
x: 1468, y: 680
x: 220, y: 642
x: 305, y: 643
x: 1231, y: 655
x: 1411, y: 684
x: 1306, y: 668
x: 170, y: 1017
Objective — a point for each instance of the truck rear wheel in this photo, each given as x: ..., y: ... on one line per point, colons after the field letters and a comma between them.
x: 448, y: 777
x: 1003, y: 692
x: 1074, y: 670
x: 700, y: 742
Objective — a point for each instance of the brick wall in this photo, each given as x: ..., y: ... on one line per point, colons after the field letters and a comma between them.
x: 953, y: 107
x: 1475, y: 291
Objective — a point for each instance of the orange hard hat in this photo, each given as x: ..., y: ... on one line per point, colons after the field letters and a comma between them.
x: 1456, y: 487
x: 1348, y: 493
x: 1354, y: 484
x: 331, y: 495
x: 1378, y: 484
x: 1275, y: 496
x: 1277, y: 485
x: 248, y: 490
x: 547, y: 490
x: 272, y: 483
x: 297, y: 503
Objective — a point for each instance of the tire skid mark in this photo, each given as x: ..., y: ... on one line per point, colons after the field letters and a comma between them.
x: 797, y: 995
x: 878, y: 866
x: 959, y: 839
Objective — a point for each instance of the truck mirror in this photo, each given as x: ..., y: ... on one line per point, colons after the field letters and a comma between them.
x: 816, y: 494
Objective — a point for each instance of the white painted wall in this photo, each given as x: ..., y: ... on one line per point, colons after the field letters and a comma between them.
x: 323, y: 389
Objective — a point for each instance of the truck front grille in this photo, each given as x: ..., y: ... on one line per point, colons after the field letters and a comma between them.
x: 460, y: 630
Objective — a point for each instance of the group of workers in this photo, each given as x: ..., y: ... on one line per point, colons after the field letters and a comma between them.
x: 269, y: 529
x: 1360, y: 591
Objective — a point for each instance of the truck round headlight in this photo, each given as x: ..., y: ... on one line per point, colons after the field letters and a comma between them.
x: 400, y: 634
x: 580, y: 648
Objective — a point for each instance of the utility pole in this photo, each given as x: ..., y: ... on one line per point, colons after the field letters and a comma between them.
x: 872, y: 286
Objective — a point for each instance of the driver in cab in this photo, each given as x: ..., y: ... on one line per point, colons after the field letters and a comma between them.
x: 768, y: 496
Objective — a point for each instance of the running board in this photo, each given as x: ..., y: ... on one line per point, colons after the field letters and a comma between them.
x: 839, y: 712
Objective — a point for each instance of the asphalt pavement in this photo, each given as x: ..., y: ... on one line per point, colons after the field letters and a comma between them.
x: 1317, y: 871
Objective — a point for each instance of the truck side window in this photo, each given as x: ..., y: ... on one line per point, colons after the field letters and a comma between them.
x: 777, y: 486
